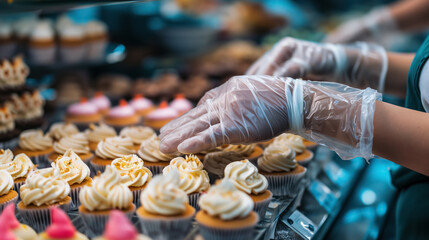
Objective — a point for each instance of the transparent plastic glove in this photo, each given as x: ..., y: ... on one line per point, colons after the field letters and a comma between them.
x: 360, y: 65
x: 369, y: 28
x: 249, y: 109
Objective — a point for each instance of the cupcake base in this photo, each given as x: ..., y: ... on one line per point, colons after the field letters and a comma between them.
x: 83, y: 121
x: 96, y: 220
x: 10, y: 197
x: 156, y: 124
x: 37, y: 157
x: 261, y: 203
x: 285, y: 183
x: 136, y: 191
x: 98, y: 165
x: 212, y: 228
x: 75, y: 190
x: 18, y: 183
x: 253, y: 157
x: 156, y: 167
x: 119, y: 123
x: 39, y: 217
x: 305, y: 157
x: 166, y: 227
x: 310, y: 145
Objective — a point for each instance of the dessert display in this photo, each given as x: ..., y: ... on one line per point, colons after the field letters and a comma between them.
x: 19, y: 167
x: 95, y: 134
x: 138, y: 134
x: 7, y: 45
x: 101, y: 102
x: 195, y: 87
x: 133, y: 174
x: 109, y: 149
x: 115, y: 86
x: 245, y: 177
x: 42, y: 190
x: 18, y: 230
x: 97, y: 37
x: 165, y: 212
x: 226, y: 213
x: 296, y: 142
x: 193, y: 179
x: 181, y: 104
x: 215, y: 163
x: 7, y: 194
x: 251, y: 151
x: 13, y: 74
x: 83, y: 113
x: 154, y: 159
x: 122, y: 116
x: 35, y: 145
x: 42, y: 43
x: 75, y: 172
x: 161, y: 116
x: 61, y: 228
x: 279, y: 166
x: 8, y: 133
x: 119, y: 227
x: 27, y: 109
x: 71, y: 43
x: 105, y: 194
x: 77, y: 142
x: 60, y: 130
x: 141, y: 105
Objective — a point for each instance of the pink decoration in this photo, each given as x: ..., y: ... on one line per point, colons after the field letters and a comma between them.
x: 82, y: 108
x: 61, y: 226
x: 9, y: 215
x: 163, y: 112
x: 100, y: 101
x: 140, y: 103
x: 181, y: 104
x: 123, y: 110
x: 119, y: 227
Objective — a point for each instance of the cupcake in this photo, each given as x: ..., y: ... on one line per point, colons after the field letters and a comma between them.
x: 19, y: 168
x: 8, y: 133
x: 154, y: 159
x: 97, y: 39
x: 226, y: 213
x: 95, y: 134
x: 165, y: 212
x: 75, y: 172
x: 251, y: 151
x: 42, y: 43
x: 72, y: 43
x: 19, y: 231
x: 310, y: 145
x: 42, y: 190
x: 215, y: 163
x: 161, y: 116
x: 77, y: 142
x: 245, y: 177
x: 296, y: 142
x: 35, y: 145
x: 61, y: 228
x: 7, y: 43
x: 101, y: 102
x: 133, y: 174
x: 122, y: 116
x: 83, y: 113
x: 110, y: 149
x: 141, y: 105
x: 118, y: 227
x: 13, y: 75
x: 60, y: 130
x: 106, y: 193
x: 7, y: 194
x: 138, y: 134
x: 27, y: 109
x: 181, y: 104
x: 193, y: 179
x: 279, y: 166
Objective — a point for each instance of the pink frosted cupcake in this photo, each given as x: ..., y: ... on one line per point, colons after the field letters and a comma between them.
x: 181, y: 104
x: 141, y: 105
x: 19, y: 231
x: 122, y: 116
x: 102, y: 103
x: 119, y: 227
x: 83, y: 113
x: 161, y: 116
x: 61, y: 228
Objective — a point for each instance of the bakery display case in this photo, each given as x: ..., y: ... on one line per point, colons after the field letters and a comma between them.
x: 86, y: 78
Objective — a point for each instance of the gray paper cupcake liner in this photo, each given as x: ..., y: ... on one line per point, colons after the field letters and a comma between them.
x: 11, y: 144
x: 261, y: 207
x: 155, y: 169
x: 39, y: 218
x: 74, y: 195
x: 97, y: 222
x: 3, y: 205
x: 95, y: 168
x: 17, y: 187
x: 42, y: 161
x: 285, y: 185
x: 193, y: 200
x: 210, y: 233
x: 136, y: 197
x: 162, y: 229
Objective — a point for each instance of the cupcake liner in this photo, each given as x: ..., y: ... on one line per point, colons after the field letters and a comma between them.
x: 285, y: 185
x: 210, y: 233
x: 3, y: 205
x: 17, y: 186
x: 161, y: 229
x: 11, y: 144
x: 39, y: 218
x: 72, y: 54
x: 74, y: 195
x: 97, y: 222
x: 261, y: 207
x: 193, y: 200
x: 42, y: 161
x: 95, y: 168
x: 155, y: 169
x: 136, y: 197
x: 305, y: 162
x: 213, y: 177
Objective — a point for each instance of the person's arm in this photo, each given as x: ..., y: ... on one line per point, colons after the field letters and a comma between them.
x: 396, y: 77
x: 411, y: 15
x: 401, y: 135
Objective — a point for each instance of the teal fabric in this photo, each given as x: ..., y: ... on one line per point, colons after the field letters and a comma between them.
x: 412, y: 210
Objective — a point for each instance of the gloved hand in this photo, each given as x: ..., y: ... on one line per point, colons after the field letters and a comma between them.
x: 255, y: 108
x: 369, y: 28
x: 359, y: 65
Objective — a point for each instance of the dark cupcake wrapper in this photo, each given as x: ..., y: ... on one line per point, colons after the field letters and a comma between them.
x: 39, y: 218
x: 42, y: 161
x: 74, y: 195
x: 136, y: 197
x: 285, y: 185
x: 17, y: 187
x: 193, y: 200
x: 172, y: 229
x: 155, y: 169
x: 11, y: 143
x: 261, y: 207
x: 212, y: 233
x: 95, y: 168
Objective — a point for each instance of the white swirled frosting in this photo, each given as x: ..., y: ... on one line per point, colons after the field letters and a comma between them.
x: 98, y: 133
x: 277, y: 158
x: 193, y: 179
x: 244, y: 175
x: 215, y: 162
x: 225, y: 201
x: 296, y: 142
x: 34, y: 140
x: 6, y: 183
x: 132, y: 170
x: 106, y: 192
x: 72, y: 168
x: 6, y: 156
x: 20, y: 167
x: 163, y: 196
x: 77, y: 142
x: 138, y: 133
x: 59, y: 130
x: 149, y: 151
x: 114, y: 147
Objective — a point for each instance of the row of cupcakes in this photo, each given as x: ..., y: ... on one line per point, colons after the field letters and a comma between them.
x: 126, y: 114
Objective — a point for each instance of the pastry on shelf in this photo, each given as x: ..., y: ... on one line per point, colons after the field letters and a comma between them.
x: 110, y: 149
x: 72, y: 43
x: 141, y: 105
x: 78, y: 142
x: 7, y: 194
x: 296, y: 142
x: 13, y: 75
x: 181, y: 104
x: 36, y: 145
x: 122, y: 116
x: 97, y: 133
x: 101, y: 102
x: 27, y: 109
x: 7, y: 41
x: 138, y: 134
x: 115, y: 86
x: 83, y: 113
x: 61, y: 129
x: 97, y: 37
x: 42, y: 43
x: 161, y: 116
x: 19, y: 166
x: 8, y: 132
